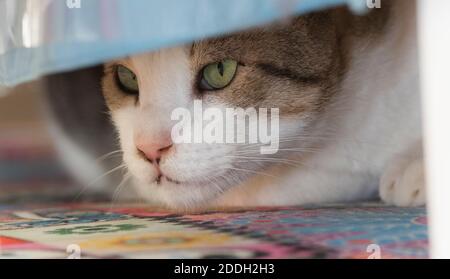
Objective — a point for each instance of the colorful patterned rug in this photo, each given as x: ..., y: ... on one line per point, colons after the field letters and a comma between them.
x: 38, y: 219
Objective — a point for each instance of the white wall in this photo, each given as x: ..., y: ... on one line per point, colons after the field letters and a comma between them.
x: 434, y: 39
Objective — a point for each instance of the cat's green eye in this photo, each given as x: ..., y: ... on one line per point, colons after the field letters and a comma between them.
x: 218, y: 75
x: 127, y: 80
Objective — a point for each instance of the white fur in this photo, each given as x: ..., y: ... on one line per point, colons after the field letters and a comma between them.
x: 379, y: 118
x: 403, y: 183
x: 376, y: 120
x: 165, y: 80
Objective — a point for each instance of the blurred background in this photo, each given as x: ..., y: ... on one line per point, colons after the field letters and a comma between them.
x: 21, y: 107
x: 29, y: 169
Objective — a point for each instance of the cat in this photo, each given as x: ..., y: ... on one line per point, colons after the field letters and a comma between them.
x: 346, y: 87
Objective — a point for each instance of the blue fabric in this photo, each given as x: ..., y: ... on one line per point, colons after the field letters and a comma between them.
x: 36, y: 40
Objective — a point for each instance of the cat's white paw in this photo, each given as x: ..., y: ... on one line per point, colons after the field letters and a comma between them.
x: 403, y: 183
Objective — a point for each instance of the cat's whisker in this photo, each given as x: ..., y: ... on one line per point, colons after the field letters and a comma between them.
x: 86, y: 187
x: 107, y: 155
x: 263, y: 161
x: 270, y: 160
x: 257, y: 151
x: 345, y: 155
x: 226, y: 177
x: 251, y: 171
x: 122, y: 166
x: 331, y: 137
x: 80, y: 193
x: 300, y: 149
x: 215, y: 184
x: 118, y: 189
x: 260, y: 158
x: 258, y: 145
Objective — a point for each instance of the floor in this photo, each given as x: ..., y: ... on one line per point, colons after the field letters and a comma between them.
x: 42, y: 217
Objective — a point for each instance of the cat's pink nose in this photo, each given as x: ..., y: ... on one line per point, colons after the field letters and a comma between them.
x: 153, y: 151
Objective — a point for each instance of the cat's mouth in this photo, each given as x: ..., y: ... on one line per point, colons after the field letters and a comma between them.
x: 161, y: 178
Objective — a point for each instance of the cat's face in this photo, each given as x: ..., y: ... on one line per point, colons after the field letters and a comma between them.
x: 294, y: 68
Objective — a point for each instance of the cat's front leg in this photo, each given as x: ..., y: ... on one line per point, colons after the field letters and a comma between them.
x: 403, y: 181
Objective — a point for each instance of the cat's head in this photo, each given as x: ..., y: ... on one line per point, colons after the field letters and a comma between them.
x: 294, y: 67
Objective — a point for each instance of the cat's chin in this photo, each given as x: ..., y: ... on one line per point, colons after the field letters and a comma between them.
x: 179, y: 196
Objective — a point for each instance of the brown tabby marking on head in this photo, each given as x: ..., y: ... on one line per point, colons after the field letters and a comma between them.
x: 296, y: 66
